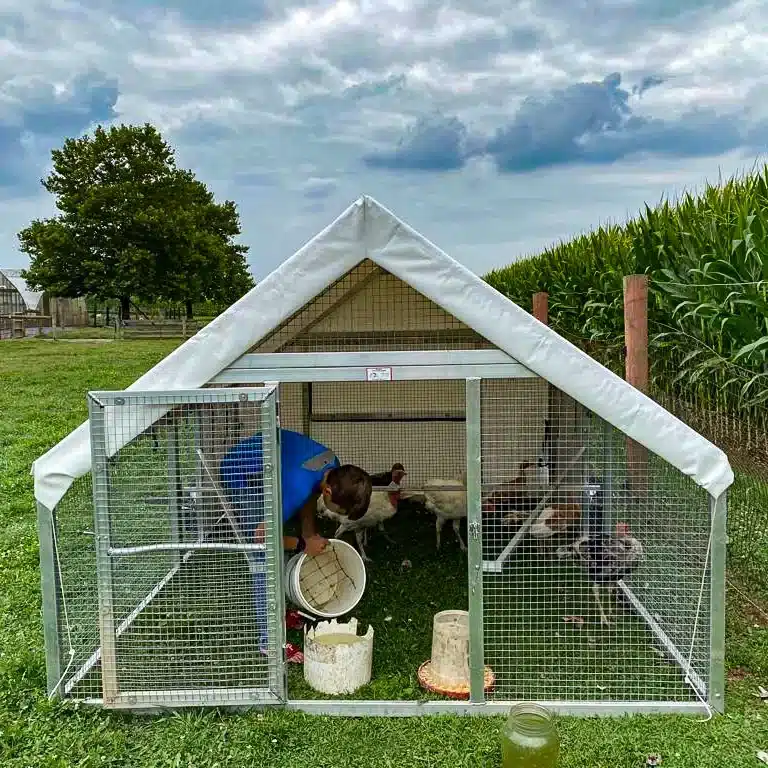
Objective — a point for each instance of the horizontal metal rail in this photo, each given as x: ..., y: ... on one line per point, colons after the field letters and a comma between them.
x: 313, y: 373
x: 243, y: 698
x: 392, y: 359
x: 181, y: 546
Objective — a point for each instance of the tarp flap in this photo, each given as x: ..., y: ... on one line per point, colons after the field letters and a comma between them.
x: 368, y: 229
x: 322, y: 261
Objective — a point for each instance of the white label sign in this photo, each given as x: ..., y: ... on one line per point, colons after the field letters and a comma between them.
x: 378, y: 374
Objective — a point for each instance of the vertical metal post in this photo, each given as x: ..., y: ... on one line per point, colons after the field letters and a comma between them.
x: 608, y: 478
x: 475, y: 543
x: 49, y: 582
x: 306, y: 408
x: 174, y: 484
x: 278, y: 681
x: 717, y: 586
x: 101, y: 522
x: 197, y: 505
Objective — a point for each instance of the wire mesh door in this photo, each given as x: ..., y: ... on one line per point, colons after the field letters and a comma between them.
x: 188, y: 531
x: 596, y: 559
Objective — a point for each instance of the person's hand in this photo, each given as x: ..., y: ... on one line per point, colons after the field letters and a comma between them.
x: 315, y: 545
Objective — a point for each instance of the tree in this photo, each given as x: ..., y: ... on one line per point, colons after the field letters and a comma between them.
x: 133, y: 225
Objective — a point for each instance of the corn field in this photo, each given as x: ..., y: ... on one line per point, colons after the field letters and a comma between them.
x: 706, y: 257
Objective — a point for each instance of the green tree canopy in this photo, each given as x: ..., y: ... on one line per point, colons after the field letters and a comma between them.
x: 133, y: 224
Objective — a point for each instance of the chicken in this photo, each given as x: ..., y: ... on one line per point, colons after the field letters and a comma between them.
x: 556, y: 518
x: 607, y: 558
x: 514, y: 498
x: 447, y: 500
x: 382, y: 506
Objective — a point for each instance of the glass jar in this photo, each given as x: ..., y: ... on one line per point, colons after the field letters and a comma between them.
x: 529, y: 738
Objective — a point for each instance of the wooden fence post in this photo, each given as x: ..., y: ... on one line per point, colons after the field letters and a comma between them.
x: 636, y: 368
x: 541, y: 307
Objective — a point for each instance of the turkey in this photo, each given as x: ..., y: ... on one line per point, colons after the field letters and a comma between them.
x: 607, y: 558
x: 447, y: 500
x: 382, y: 506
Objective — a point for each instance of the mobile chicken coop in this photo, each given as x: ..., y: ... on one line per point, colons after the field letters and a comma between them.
x: 378, y: 345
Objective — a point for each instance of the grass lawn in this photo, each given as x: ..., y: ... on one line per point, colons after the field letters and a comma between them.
x: 42, y: 397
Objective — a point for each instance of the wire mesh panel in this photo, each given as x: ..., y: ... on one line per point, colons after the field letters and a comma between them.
x: 186, y: 498
x: 596, y: 560
x: 370, y: 309
x: 78, y: 667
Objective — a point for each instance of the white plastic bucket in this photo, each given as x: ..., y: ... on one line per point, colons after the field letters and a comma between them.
x: 329, y: 584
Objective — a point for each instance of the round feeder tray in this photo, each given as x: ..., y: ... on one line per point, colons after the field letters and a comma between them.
x: 430, y: 682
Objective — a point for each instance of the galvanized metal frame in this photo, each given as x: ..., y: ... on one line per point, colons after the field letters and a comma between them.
x: 100, y: 475
x: 717, y: 587
x: 49, y: 586
x: 278, y: 674
x: 106, y: 653
x: 475, y: 543
x: 471, y: 365
x: 237, y: 700
x: 303, y: 367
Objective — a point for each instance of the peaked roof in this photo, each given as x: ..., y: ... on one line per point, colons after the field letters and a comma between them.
x: 30, y: 298
x: 368, y: 230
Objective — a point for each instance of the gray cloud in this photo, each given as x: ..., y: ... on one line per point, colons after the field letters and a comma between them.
x: 434, y: 143
x: 648, y: 82
x: 319, y: 189
x: 43, y: 116
x: 202, y: 12
x: 581, y: 123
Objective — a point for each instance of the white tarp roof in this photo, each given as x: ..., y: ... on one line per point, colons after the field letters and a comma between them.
x: 368, y: 230
x: 31, y: 299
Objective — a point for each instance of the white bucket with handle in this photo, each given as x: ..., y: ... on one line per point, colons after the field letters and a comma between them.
x: 327, y: 585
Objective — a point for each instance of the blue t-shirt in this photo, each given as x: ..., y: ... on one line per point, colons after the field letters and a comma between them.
x: 303, y: 464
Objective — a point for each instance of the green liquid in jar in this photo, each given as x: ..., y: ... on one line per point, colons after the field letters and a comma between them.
x: 529, y: 739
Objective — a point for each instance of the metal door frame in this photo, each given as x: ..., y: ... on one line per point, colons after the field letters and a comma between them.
x: 98, y: 404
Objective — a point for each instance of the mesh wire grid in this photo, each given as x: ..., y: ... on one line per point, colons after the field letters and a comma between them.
x: 541, y: 623
x: 189, y: 612
x: 323, y: 578
x: 369, y: 309
x: 544, y: 636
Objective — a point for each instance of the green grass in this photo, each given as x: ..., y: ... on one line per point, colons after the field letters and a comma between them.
x: 42, y: 397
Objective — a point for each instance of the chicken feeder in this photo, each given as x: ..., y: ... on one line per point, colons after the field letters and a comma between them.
x: 336, y: 659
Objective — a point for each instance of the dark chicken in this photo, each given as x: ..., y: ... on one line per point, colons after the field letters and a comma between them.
x: 607, y: 558
x: 512, y: 499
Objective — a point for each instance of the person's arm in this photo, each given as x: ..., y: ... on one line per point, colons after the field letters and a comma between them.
x: 313, y: 544
x: 308, y: 527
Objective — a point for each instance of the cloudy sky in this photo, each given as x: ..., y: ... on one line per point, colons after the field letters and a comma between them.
x: 495, y: 127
